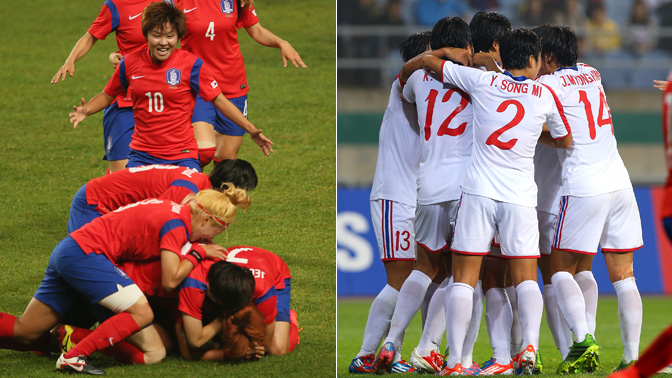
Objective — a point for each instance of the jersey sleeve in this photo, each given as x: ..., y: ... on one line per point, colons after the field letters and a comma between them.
x: 556, y: 121
x: 465, y: 78
x: 247, y: 17
x: 118, y: 83
x: 192, y: 295
x: 106, y: 22
x: 267, y: 304
x: 173, y: 236
x: 179, y: 190
x: 411, y: 84
x: 203, y: 82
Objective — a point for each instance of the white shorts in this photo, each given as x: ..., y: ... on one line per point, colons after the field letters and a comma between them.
x: 613, y: 223
x: 477, y: 219
x: 546, y: 231
x: 394, y: 225
x: 434, y: 225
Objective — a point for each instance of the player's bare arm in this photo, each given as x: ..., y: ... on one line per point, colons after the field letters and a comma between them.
x: 432, y: 63
x: 233, y: 113
x: 96, y: 104
x: 547, y: 139
x: 486, y: 60
x: 416, y: 64
x: 82, y: 47
x: 197, y: 334
x: 265, y: 37
x: 115, y: 58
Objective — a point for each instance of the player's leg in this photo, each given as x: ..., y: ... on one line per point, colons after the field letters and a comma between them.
x: 586, y: 281
x: 229, y: 136
x: 470, y: 367
x: 281, y: 339
x: 204, y: 133
x: 30, y: 331
x: 498, y: 314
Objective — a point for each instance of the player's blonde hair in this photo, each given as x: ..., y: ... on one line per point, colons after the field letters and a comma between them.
x: 242, y: 330
x: 221, y: 204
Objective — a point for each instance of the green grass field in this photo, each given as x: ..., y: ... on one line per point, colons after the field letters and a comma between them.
x: 43, y: 161
x: 352, y: 315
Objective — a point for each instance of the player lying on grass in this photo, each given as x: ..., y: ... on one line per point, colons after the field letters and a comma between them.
x: 164, y: 82
x: 215, y: 297
x: 84, y: 266
x: 168, y: 182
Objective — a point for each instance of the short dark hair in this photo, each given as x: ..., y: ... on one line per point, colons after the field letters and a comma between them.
x: 158, y: 14
x: 450, y: 32
x: 487, y: 27
x: 559, y: 43
x: 232, y: 286
x: 414, y: 45
x: 516, y: 46
x: 237, y: 171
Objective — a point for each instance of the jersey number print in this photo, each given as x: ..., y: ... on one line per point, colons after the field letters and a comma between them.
x: 493, y: 139
x: 444, y: 129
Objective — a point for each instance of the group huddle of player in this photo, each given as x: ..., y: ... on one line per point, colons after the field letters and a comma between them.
x: 497, y: 157
x: 138, y: 274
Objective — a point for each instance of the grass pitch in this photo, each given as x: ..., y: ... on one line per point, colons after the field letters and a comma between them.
x: 352, y: 315
x: 43, y: 161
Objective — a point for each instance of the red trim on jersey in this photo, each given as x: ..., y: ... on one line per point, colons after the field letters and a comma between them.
x: 560, y: 109
x: 621, y: 250
x: 664, y: 245
x: 396, y: 259
x: 442, y: 64
x: 431, y: 250
x: 575, y: 251
x: 469, y: 253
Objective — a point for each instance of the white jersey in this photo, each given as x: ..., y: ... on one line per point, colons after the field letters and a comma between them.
x: 445, y: 118
x: 398, y: 152
x: 509, y: 113
x: 592, y: 166
x: 548, y: 176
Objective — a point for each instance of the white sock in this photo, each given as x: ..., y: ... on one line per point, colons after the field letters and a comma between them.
x: 498, y: 318
x: 474, y: 326
x: 588, y: 286
x: 436, y: 321
x: 531, y: 308
x: 446, y: 296
x: 410, y: 297
x: 516, y: 329
x: 425, y: 302
x: 571, y: 303
x: 378, y: 322
x: 562, y: 335
x: 458, y: 314
x: 629, y: 317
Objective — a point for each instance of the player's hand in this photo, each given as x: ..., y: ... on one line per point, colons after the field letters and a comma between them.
x: 79, y: 114
x: 115, y: 58
x: 215, y: 251
x: 457, y: 55
x: 660, y: 84
x: 255, y: 352
x: 262, y: 141
x: 288, y: 53
x: 67, y: 68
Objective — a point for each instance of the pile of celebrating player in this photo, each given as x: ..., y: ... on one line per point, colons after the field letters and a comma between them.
x: 497, y: 156
x: 139, y: 274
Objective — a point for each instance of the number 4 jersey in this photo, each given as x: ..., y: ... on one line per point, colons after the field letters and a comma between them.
x: 163, y: 100
x: 592, y: 166
x: 509, y: 113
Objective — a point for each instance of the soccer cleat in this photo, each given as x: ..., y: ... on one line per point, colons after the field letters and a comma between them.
x: 538, y: 365
x: 429, y: 364
x: 474, y: 369
x: 383, y: 362
x: 666, y: 370
x: 487, y: 363
x: 582, y: 357
x: 456, y: 370
x: 362, y: 365
x: 402, y: 366
x: 293, y: 319
x: 77, y: 365
x: 64, y: 334
x: 494, y: 368
x: 526, y: 360
x: 623, y: 365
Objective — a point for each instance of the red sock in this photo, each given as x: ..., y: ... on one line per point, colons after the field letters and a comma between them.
x: 111, y: 331
x: 7, y: 336
x: 657, y: 355
x: 123, y: 352
x: 205, y: 155
x: 215, y: 161
x: 7, y: 325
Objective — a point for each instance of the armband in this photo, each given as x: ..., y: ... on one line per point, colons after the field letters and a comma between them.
x: 196, y: 254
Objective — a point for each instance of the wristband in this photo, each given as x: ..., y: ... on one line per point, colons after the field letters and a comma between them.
x: 196, y: 254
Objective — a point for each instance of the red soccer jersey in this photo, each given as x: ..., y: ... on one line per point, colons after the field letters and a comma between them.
x: 269, y: 272
x: 666, y: 210
x: 168, y: 182
x: 212, y: 34
x: 137, y: 232
x: 163, y: 100
x: 124, y: 18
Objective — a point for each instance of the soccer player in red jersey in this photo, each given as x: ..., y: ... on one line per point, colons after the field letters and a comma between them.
x: 164, y: 82
x: 212, y: 34
x: 84, y: 266
x: 123, y: 18
x: 168, y: 182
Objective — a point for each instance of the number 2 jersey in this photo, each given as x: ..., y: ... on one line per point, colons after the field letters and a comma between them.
x: 509, y: 112
x: 163, y: 97
x: 592, y: 166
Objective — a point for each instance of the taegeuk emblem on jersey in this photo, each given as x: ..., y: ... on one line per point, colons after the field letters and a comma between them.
x: 227, y: 6
x: 173, y: 76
